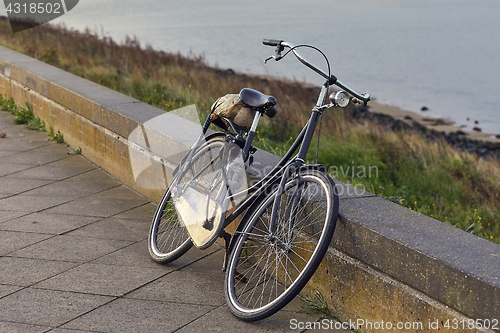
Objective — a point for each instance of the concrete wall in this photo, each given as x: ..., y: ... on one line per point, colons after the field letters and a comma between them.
x: 387, y: 266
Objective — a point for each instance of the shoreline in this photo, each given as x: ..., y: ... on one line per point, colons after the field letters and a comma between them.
x: 437, y: 124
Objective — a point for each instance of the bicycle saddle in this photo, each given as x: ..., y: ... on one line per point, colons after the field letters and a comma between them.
x: 259, y: 101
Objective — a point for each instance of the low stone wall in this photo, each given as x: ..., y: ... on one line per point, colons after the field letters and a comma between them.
x: 388, y: 269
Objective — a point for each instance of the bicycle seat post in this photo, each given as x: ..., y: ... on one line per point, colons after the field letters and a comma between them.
x: 251, y: 135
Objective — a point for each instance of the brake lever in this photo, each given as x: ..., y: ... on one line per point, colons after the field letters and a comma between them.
x: 269, y: 58
x: 277, y: 54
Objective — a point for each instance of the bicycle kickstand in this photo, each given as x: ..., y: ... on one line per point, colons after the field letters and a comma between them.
x: 227, y: 239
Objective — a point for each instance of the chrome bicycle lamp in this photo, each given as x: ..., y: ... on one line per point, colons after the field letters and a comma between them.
x: 340, y: 98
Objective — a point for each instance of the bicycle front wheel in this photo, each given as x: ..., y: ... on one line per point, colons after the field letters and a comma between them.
x: 168, y: 238
x: 268, y: 268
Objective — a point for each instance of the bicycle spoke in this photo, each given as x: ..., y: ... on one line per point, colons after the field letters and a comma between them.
x: 277, y: 264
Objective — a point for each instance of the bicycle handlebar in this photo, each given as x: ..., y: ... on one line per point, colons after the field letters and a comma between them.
x: 272, y: 42
x: 280, y: 45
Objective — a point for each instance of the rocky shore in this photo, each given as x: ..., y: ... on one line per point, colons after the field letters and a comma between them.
x: 482, y: 144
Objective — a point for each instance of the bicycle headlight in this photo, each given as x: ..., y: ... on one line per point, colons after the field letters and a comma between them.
x: 340, y: 98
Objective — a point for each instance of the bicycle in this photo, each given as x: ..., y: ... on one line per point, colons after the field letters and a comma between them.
x: 287, y: 218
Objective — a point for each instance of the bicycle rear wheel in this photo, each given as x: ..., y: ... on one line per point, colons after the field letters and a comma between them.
x: 168, y: 238
x: 266, y: 269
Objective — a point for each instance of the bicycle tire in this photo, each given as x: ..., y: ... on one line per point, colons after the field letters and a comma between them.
x: 168, y: 238
x: 266, y: 272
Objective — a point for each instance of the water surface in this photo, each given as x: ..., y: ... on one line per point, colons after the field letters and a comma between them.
x: 442, y: 54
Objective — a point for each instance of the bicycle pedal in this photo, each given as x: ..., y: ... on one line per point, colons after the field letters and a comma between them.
x: 240, y: 277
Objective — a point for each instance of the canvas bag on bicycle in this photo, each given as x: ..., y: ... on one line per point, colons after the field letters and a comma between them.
x: 231, y: 107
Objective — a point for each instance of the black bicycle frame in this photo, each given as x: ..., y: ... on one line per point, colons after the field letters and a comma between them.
x: 286, y: 163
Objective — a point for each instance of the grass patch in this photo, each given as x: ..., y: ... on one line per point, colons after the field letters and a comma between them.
x: 421, y: 173
x: 24, y: 115
x: 315, y: 304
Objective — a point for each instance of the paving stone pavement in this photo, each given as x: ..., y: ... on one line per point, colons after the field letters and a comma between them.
x: 73, y: 253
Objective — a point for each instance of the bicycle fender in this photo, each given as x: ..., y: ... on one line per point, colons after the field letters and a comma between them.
x: 208, y: 137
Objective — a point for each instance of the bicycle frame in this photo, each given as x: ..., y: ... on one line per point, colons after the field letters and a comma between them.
x: 287, y: 163
x: 303, y: 141
x: 288, y: 215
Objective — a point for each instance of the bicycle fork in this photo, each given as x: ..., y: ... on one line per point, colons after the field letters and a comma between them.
x: 290, y: 172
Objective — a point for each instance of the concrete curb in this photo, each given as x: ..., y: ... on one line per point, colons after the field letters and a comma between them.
x: 386, y: 262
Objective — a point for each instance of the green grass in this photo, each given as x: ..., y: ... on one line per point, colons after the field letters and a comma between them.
x: 431, y: 178
x: 24, y: 115
x: 404, y: 166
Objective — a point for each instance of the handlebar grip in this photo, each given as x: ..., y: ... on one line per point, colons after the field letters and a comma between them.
x: 272, y: 42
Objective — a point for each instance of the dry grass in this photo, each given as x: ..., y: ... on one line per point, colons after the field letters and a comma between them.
x: 422, y: 173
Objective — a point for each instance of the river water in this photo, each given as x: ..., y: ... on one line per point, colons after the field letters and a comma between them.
x: 442, y: 54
